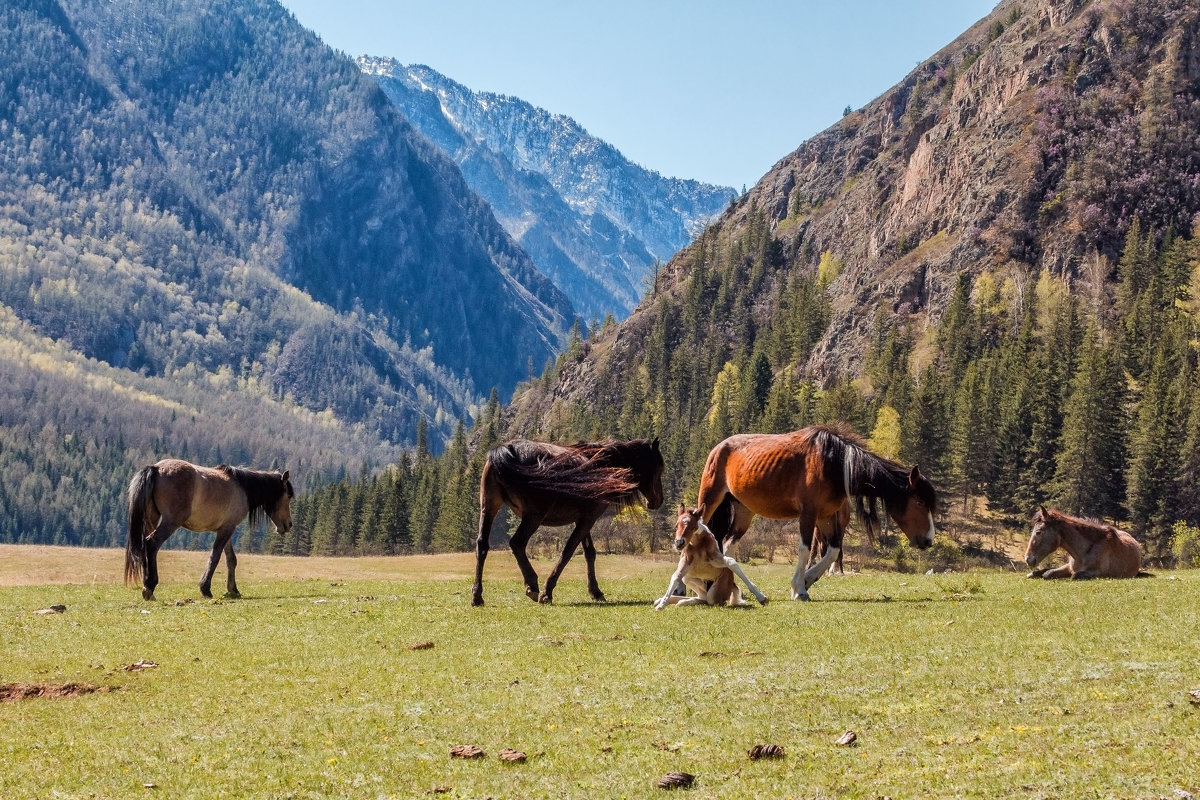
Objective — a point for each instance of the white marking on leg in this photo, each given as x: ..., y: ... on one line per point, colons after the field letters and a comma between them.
x: 818, y: 569
x: 798, y: 587
x: 737, y: 570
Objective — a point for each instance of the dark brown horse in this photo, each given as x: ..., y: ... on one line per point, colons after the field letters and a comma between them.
x: 174, y: 494
x: 549, y: 484
x: 1096, y: 550
x: 809, y: 475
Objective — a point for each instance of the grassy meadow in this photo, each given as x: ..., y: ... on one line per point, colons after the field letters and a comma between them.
x: 321, y: 682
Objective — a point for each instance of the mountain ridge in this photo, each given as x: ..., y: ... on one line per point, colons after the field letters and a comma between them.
x: 589, y: 217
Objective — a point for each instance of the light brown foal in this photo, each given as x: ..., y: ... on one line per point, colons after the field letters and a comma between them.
x: 1094, y: 550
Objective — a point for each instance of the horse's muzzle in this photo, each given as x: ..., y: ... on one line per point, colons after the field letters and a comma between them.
x: 679, y: 544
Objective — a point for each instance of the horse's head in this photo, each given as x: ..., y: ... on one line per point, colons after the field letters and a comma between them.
x: 281, y: 512
x: 689, y: 527
x: 913, y: 512
x: 1043, y: 540
x: 649, y: 472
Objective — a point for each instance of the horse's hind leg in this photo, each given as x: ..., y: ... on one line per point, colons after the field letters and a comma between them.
x: 489, y: 506
x: 162, y: 531
x: 589, y: 555
x: 206, y: 581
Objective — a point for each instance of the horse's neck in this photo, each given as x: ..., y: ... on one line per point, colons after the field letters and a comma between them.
x: 1076, y: 538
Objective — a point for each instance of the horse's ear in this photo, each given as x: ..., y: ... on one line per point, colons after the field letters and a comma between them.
x: 700, y: 510
x: 654, y: 444
x: 682, y: 508
x: 1042, y: 510
x: 286, y: 474
x: 914, y: 476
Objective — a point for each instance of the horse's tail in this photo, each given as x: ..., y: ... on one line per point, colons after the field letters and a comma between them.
x: 141, y: 489
x: 569, y: 475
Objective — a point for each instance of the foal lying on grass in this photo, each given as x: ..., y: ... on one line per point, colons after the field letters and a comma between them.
x: 701, y: 560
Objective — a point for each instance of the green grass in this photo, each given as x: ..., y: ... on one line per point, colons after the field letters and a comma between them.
x: 968, y: 685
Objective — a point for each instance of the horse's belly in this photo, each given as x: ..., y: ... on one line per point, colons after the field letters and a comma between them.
x: 772, y: 502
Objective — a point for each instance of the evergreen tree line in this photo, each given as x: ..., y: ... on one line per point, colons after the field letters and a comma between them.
x: 1083, y: 394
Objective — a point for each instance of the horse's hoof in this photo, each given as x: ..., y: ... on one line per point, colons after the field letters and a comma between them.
x: 599, y: 597
x: 546, y: 600
x: 234, y: 595
x: 206, y: 592
x: 802, y: 597
x: 477, y: 600
x: 533, y: 595
x: 147, y: 595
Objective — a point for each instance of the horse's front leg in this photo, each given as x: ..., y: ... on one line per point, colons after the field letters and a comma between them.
x: 582, y: 531
x: 833, y: 549
x: 231, y: 589
x: 589, y: 556
x: 673, y: 585
x: 529, y: 524
x: 799, y: 583
x: 223, y: 536
x: 1065, y: 571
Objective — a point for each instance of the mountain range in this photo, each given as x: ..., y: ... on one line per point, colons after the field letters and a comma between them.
x: 591, y: 220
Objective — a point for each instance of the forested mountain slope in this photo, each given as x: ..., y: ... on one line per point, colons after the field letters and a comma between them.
x: 991, y: 269
x: 201, y: 198
x: 591, y: 220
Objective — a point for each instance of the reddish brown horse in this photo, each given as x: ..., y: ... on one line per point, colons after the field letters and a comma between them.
x: 1095, y: 550
x: 809, y: 475
x: 174, y: 494
x: 549, y: 484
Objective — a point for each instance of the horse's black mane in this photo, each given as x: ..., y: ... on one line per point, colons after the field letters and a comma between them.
x: 606, y: 471
x: 865, y: 475
x: 263, y: 489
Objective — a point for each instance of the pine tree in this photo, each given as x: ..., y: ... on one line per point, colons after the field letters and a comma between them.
x: 1155, y: 446
x: 1088, y: 476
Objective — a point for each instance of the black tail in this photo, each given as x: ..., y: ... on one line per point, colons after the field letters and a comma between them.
x: 141, y: 489
x: 576, y: 474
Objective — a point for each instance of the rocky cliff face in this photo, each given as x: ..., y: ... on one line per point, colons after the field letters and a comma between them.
x: 590, y: 219
x: 1029, y: 143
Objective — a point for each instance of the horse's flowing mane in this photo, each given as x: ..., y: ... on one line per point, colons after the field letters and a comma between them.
x: 865, y: 475
x: 263, y: 489
x: 603, y: 471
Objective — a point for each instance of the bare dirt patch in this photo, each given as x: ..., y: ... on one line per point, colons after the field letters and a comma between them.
x: 12, y: 692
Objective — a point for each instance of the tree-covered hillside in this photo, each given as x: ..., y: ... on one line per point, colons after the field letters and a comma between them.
x: 992, y: 270
x: 205, y: 198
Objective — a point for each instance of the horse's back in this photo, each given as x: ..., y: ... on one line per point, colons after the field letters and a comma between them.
x: 195, y: 497
x: 770, y: 473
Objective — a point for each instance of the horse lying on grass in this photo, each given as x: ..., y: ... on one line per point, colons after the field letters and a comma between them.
x: 700, y: 561
x: 1095, y: 550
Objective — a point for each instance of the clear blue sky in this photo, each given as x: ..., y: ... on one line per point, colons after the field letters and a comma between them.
x: 717, y: 90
